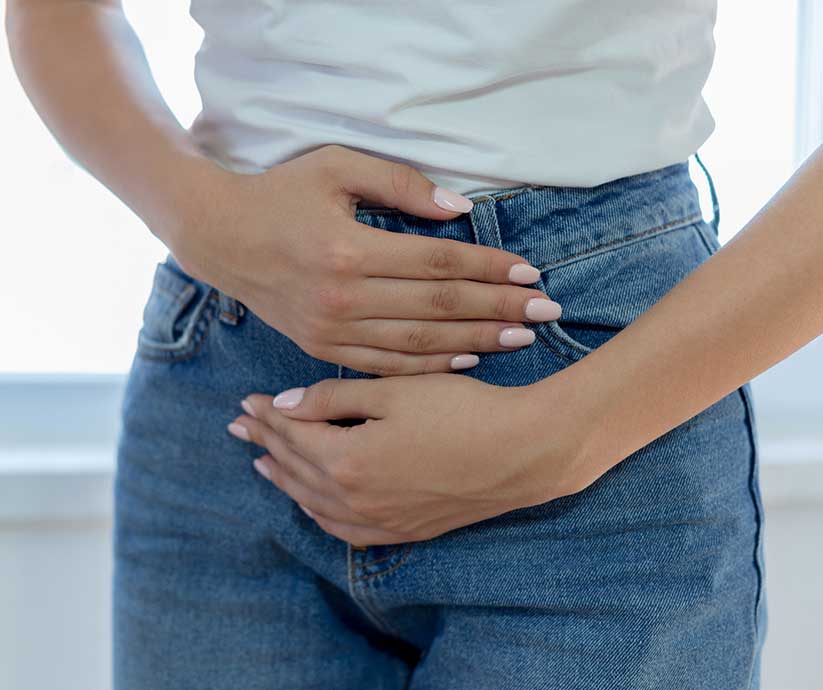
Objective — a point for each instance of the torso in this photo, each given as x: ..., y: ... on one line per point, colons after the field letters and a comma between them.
x: 477, y: 94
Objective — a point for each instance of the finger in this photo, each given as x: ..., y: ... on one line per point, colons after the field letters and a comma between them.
x: 319, y: 504
x: 409, y: 335
x: 357, y: 534
x: 451, y: 300
x: 398, y: 255
x: 397, y: 185
x: 386, y: 363
x: 332, y: 399
x: 257, y: 432
x: 318, y: 442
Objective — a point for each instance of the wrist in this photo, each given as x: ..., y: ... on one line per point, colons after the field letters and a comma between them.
x: 561, y: 422
x: 191, y: 191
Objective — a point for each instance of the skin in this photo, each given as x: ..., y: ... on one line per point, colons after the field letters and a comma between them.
x: 437, y: 451
x: 283, y: 242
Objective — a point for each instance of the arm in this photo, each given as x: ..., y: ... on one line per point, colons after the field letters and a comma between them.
x: 284, y: 242
x: 442, y: 451
x: 84, y: 69
x: 706, y: 337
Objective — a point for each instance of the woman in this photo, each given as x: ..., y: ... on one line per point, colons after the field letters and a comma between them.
x: 374, y: 196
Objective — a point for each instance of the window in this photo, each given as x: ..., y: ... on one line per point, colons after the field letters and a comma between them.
x: 76, y: 263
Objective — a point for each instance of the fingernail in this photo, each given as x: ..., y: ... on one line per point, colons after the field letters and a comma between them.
x: 260, y: 466
x: 249, y: 410
x: 451, y: 201
x: 539, y: 309
x: 306, y: 510
x: 516, y: 337
x: 238, y: 430
x: 288, y: 400
x: 523, y: 274
x: 464, y: 361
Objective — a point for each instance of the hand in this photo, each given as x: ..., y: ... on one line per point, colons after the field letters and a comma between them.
x: 285, y: 243
x: 436, y: 452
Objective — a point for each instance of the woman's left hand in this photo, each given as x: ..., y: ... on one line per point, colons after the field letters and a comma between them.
x: 436, y: 452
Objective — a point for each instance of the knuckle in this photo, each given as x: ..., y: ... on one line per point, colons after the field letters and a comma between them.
x: 442, y: 261
x: 478, y: 338
x: 344, y: 473
x: 446, y: 299
x: 323, y: 393
x: 342, y: 258
x: 401, y: 178
x: 489, y: 265
x: 388, y: 366
x: 420, y: 339
x: 332, y: 300
x: 502, y: 305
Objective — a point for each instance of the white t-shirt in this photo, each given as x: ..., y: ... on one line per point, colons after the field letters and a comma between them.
x: 476, y: 94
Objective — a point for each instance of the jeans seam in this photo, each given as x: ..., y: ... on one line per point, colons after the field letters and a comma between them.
x: 758, y: 520
x: 147, y: 351
x: 608, y: 246
x: 364, y: 601
x: 406, y: 551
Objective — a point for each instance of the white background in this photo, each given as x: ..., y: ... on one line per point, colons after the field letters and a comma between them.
x: 76, y: 264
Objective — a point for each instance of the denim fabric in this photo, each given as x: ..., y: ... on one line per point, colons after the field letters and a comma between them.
x: 651, y: 578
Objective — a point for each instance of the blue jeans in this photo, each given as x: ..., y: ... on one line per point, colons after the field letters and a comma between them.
x: 651, y: 578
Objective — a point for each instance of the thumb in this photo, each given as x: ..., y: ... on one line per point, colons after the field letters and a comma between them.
x: 400, y: 186
x: 333, y: 399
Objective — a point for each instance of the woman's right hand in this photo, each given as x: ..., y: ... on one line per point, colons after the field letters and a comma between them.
x: 286, y: 245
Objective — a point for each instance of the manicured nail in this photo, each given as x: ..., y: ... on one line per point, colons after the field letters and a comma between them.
x: 249, y: 410
x: 306, y: 510
x: 539, y: 309
x: 260, y: 466
x: 451, y: 201
x: 516, y: 337
x: 238, y: 430
x: 288, y: 400
x: 523, y: 274
x: 464, y: 361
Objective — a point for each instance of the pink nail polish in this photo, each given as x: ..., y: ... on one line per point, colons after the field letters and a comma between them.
x: 260, y: 466
x: 289, y: 399
x: 539, y: 309
x: 516, y: 337
x: 239, y: 431
x: 247, y: 408
x: 523, y: 274
x: 451, y: 201
x: 464, y: 361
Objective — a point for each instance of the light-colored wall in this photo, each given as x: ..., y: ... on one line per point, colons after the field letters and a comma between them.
x: 55, y: 588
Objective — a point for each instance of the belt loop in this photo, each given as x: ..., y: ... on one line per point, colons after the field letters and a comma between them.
x: 483, y: 221
x: 230, y: 309
x: 715, y: 205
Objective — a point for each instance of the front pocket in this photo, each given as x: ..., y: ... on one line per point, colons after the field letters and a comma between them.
x: 604, y: 292
x: 176, y: 316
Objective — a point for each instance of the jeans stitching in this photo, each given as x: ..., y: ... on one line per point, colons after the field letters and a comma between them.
x: 153, y: 353
x: 757, y: 513
x: 672, y: 225
x: 406, y: 551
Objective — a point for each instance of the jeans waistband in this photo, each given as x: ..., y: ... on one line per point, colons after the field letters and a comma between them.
x: 541, y: 221
x: 549, y: 225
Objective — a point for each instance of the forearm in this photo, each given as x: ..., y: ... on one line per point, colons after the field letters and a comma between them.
x: 84, y: 69
x: 752, y: 304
